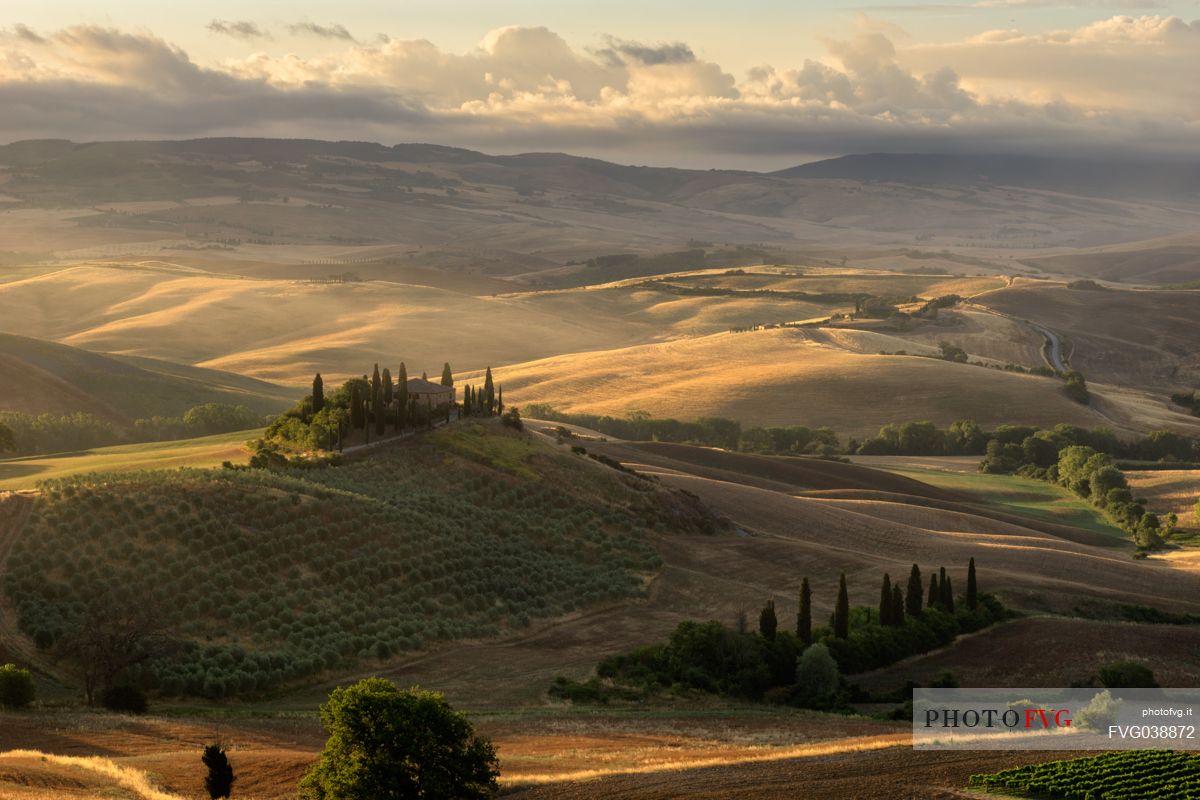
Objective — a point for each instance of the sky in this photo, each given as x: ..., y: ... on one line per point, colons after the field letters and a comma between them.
x: 755, y: 84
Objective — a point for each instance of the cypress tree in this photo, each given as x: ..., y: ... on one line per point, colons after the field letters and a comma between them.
x: 424, y: 376
x: 897, y: 606
x: 841, y: 612
x: 768, y: 623
x: 388, y: 388
x: 356, y: 409
x: 947, y: 592
x: 318, y: 394
x: 447, y: 375
x: 500, y: 398
x: 402, y: 398
x: 934, y: 592
x: 972, y: 588
x: 915, y: 592
x: 366, y: 413
x: 804, y: 615
x: 489, y: 392
x: 378, y: 410
x: 885, y: 600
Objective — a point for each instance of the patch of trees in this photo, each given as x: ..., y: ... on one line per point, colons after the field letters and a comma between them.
x: 1189, y: 400
x: 1076, y: 387
x: 54, y: 433
x: 202, y: 420
x: 61, y: 433
x: 1089, y: 473
x: 802, y: 666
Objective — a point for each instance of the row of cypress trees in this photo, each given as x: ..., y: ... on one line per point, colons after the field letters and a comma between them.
x: 894, y: 603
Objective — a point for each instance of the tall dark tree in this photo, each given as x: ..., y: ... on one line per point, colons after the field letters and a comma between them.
x: 897, y: 606
x: 972, y: 587
x: 841, y: 612
x: 447, y: 375
x: 885, y: 600
x: 768, y: 623
x: 425, y: 376
x: 934, y: 592
x: 804, y: 614
x: 402, y: 397
x: 318, y: 394
x: 947, y: 591
x: 500, y: 398
x: 378, y: 409
x: 389, y: 390
x: 219, y: 780
x: 489, y: 393
x: 356, y: 407
x: 915, y: 594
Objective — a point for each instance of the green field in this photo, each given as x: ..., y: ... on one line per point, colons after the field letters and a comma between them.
x: 206, y: 451
x: 1016, y: 495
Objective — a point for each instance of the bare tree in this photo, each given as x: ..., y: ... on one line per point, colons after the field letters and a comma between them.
x: 110, y: 636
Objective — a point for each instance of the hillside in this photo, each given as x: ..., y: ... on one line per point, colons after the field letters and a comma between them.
x: 1138, y: 338
x: 247, y: 200
x: 789, y: 377
x: 59, y: 379
x: 463, y: 533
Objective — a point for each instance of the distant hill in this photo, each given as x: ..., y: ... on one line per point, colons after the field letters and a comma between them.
x: 1073, y: 176
x: 46, y: 377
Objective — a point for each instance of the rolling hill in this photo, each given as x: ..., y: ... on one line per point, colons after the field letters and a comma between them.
x: 48, y: 377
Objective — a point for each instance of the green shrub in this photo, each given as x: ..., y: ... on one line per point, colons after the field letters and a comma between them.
x: 17, y: 687
x: 129, y: 699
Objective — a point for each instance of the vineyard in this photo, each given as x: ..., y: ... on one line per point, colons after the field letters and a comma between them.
x: 1130, y: 775
x: 264, y: 577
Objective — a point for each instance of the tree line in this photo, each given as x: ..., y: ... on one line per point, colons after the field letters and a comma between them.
x: 800, y: 665
x: 368, y: 407
x: 26, y: 434
x: 963, y: 437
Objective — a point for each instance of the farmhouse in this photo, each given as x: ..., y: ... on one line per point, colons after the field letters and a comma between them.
x: 433, y: 394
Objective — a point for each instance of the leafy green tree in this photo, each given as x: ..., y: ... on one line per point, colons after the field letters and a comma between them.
x: 391, y: 744
x: 817, y: 675
x: 17, y: 687
x: 841, y: 612
x: 318, y: 394
x: 804, y: 614
x: 768, y: 623
x: 885, y: 600
x: 972, y: 586
x: 447, y: 375
x: 916, y: 591
x: 219, y: 780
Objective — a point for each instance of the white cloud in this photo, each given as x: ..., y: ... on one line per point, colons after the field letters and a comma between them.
x: 1123, y: 83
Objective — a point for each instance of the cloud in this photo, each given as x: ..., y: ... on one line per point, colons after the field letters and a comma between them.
x: 1071, y: 91
x: 333, y: 31
x: 238, y: 29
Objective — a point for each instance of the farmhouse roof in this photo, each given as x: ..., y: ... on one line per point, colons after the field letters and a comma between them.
x: 421, y: 386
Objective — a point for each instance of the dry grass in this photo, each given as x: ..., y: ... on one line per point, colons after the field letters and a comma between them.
x: 787, y: 377
x: 75, y: 776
